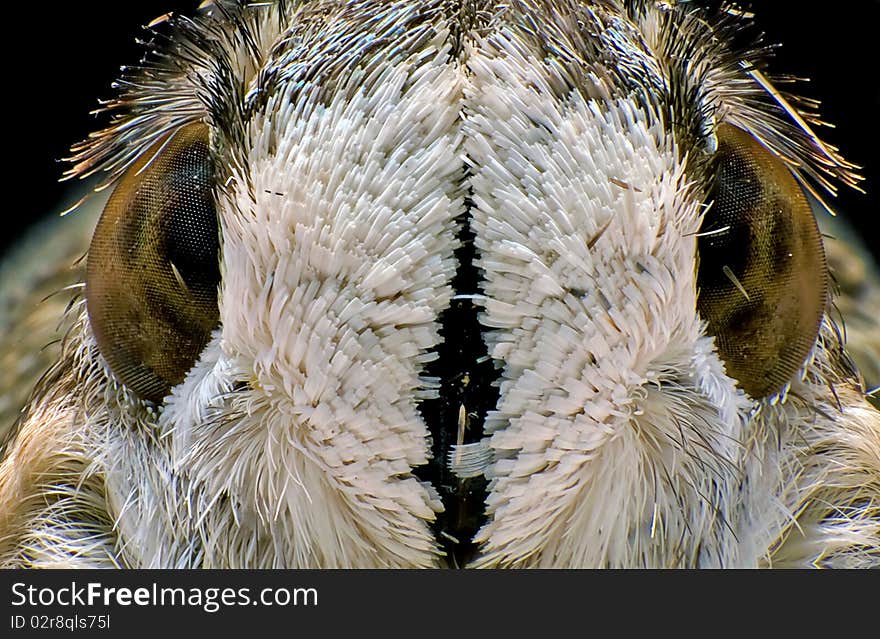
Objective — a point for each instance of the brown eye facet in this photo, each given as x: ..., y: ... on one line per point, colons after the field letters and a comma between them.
x: 762, y: 275
x: 153, y: 270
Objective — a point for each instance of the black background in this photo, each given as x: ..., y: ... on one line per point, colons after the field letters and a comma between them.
x: 62, y: 56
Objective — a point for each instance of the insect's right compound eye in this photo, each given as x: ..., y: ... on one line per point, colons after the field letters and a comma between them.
x: 153, y: 265
x: 762, y: 276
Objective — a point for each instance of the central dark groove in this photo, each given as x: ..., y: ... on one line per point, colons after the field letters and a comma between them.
x: 467, y: 393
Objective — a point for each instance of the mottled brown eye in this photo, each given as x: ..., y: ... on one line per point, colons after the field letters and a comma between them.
x: 762, y: 275
x: 153, y: 271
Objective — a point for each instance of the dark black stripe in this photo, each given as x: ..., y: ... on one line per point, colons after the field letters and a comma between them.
x: 467, y: 379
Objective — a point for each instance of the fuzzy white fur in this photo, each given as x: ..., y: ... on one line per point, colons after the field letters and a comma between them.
x: 618, y: 439
x: 616, y: 431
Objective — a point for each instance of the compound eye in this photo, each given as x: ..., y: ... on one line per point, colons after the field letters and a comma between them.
x: 762, y: 276
x: 153, y: 266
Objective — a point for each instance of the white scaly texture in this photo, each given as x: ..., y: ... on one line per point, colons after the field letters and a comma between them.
x: 342, y: 131
x: 337, y: 258
x: 615, y: 435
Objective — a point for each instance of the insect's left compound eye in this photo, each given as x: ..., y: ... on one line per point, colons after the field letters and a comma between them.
x: 762, y: 275
x: 153, y: 270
